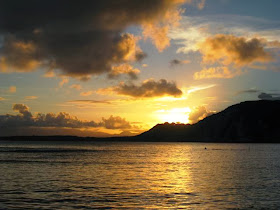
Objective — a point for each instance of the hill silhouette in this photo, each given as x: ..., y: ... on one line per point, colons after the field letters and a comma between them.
x: 250, y: 121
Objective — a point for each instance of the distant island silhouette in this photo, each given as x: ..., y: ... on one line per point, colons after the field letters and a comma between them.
x: 246, y: 122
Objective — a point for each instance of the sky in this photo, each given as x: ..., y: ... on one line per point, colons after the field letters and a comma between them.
x: 117, y: 68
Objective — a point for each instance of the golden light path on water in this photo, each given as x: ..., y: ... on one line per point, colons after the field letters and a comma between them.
x: 135, y: 175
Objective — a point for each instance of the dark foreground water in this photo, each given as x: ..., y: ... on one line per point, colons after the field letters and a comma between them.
x: 139, y: 175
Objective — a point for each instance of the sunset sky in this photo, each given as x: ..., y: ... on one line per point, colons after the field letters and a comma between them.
x: 119, y: 67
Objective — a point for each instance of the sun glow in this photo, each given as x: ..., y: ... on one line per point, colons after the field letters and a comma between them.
x: 176, y: 115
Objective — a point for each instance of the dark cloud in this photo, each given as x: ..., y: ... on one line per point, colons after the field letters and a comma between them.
x: 140, y: 56
x: 78, y: 38
x: 250, y: 91
x: 266, y: 96
x: 148, y: 88
x: 176, y: 62
x: 199, y: 113
x: 22, y: 109
x: 60, y: 120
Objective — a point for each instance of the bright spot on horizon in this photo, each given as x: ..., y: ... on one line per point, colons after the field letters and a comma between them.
x: 175, y: 115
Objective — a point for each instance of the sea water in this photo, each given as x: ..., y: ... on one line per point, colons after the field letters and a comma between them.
x: 122, y: 175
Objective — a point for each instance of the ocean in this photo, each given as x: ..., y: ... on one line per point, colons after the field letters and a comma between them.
x: 135, y: 175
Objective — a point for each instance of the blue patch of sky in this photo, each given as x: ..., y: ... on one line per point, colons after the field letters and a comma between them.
x: 257, y: 8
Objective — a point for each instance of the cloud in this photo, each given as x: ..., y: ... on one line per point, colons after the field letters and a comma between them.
x: 196, y: 29
x: 199, y: 113
x: 147, y: 89
x: 64, y: 80
x: 249, y: 91
x: 89, y: 102
x: 216, y: 72
x: 12, y: 89
x: 124, y: 69
x: 49, y: 74
x: 144, y: 65
x: 87, y: 93
x: 229, y: 49
x: 30, y: 97
x: 22, y: 109
x: 176, y: 62
x: 116, y: 123
x: 2, y: 99
x: 80, y: 39
x: 266, y: 96
x: 201, y: 4
x: 76, y: 86
x: 60, y: 120
x: 199, y: 88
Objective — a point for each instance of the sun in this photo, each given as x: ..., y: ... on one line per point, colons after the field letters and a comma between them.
x: 176, y: 115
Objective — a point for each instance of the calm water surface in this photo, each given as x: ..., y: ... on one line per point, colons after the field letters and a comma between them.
x: 139, y: 175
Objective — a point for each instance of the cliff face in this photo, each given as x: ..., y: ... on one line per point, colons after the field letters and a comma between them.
x: 251, y: 121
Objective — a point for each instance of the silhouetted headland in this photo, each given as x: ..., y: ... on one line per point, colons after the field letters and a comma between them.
x: 250, y: 121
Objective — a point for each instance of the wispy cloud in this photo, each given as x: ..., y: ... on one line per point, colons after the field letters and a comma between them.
x: 217, y: 72
x: 249, y: 91
x: 87, y: 93
x: 200, y: 87
x: 76, y: 86
x: 30, y: 97
x: 89, y: 102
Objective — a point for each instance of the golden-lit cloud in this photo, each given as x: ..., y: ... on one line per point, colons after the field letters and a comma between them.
x: 158, y: 35
x: 87, y: 93
x: 147, y: 89
x: 76, y: 86
x: 124, y: 69
x: 229, y: 49
x: 217, y: 72
x: 18, y: 56
x: 49, y: 74
x: 199, y: 113
x: 127, y: 49
x: 2, y: 99
x: 158, y: 30
x: 144, y: 65
x: 30, y: 97
x: 12, y: 89
x: 64, y: 80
